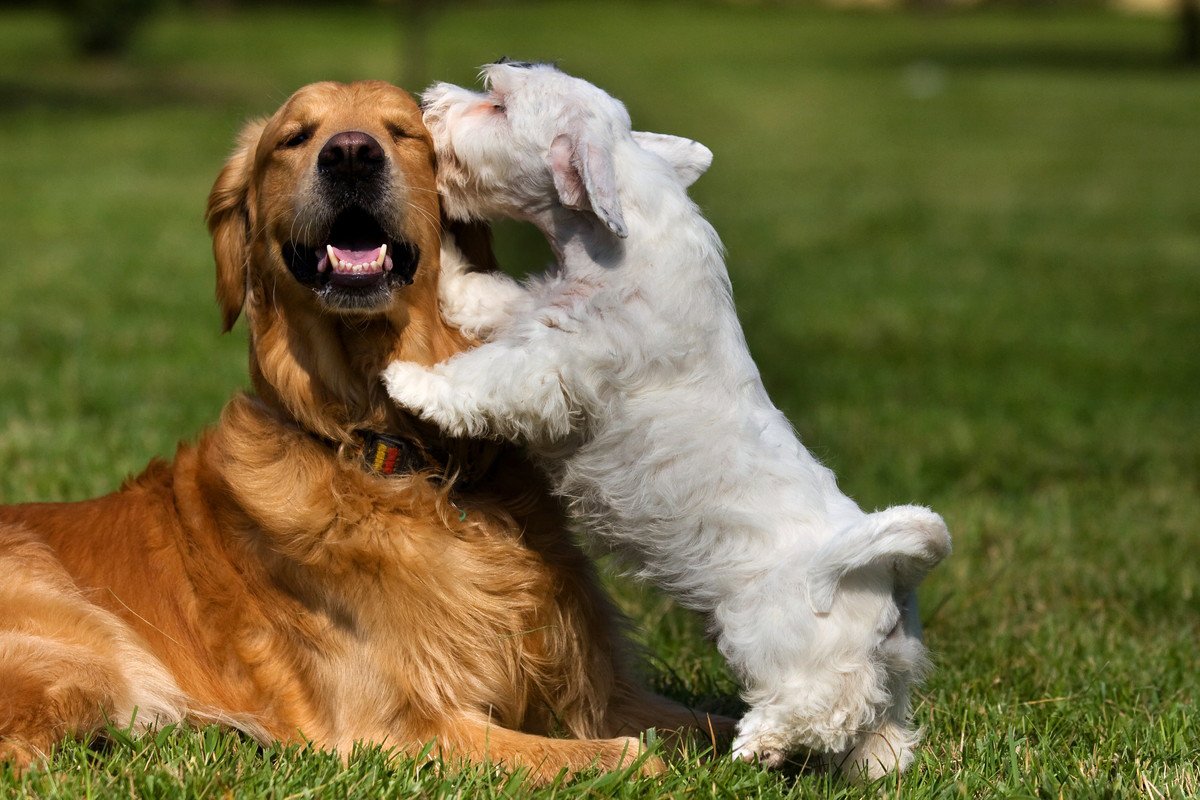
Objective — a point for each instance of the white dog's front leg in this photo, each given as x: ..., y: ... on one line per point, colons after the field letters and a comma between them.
x: 493, y: 390
x: 477, y: 303
x: 429, y: 394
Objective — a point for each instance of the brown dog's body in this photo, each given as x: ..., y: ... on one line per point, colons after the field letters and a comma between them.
x: 265, y: 578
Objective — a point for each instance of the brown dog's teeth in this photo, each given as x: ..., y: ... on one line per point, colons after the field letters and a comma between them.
x: 342, y: 266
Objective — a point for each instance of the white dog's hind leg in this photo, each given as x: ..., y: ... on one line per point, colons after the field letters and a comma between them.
x: 476, y: 302
x: 887, y: 749
x: 499, y: 389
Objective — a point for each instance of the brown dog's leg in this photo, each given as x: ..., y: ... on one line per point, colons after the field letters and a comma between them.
x: 543, y: 757
x: 61, y: 661
x: 634, y: 710
x: 49, y: 687
x: 48, y: 691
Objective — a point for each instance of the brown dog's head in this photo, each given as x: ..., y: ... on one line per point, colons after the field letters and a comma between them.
x: 326, y: 231
x: 333, y: 193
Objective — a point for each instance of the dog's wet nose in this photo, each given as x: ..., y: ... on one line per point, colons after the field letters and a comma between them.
x: 511, y: 62
x: 350, y: 153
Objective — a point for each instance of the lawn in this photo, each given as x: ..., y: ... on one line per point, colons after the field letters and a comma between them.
x: 966, y: 252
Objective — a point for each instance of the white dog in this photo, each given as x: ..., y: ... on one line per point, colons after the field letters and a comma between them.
x: 627, y: 374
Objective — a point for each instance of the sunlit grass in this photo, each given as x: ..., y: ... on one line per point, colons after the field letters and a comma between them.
x: 966, y: 251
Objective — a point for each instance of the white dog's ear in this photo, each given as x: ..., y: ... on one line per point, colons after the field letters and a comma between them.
x: 909, y: 539
x: 689, y: 158
x: 586, y: 180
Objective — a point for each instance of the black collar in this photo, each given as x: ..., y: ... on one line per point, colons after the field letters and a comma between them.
x: 385, y: 455
x: 390, y: 455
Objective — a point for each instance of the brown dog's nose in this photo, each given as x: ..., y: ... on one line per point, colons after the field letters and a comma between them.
x: 350, y: 153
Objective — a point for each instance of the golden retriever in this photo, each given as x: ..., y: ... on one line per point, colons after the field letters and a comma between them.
x: 274, y: 576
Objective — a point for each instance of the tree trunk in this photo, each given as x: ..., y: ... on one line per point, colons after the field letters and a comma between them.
x: 415, y: 17
x: 1189, y: 32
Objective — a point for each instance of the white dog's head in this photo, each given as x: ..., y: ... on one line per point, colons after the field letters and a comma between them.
x: 536, y: 137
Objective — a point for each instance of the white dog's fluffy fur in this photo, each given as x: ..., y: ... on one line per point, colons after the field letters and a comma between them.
x: 627, y: 373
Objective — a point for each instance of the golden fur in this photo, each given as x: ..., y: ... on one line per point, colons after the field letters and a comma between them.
x: 266, y: 580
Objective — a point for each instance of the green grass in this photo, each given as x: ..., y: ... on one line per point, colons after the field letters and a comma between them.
x: 966, y: 251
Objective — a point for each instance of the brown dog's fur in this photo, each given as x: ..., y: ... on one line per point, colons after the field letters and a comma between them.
x: 266, y: 580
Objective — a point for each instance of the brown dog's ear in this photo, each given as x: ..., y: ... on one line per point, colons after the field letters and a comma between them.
x: 228, y: 218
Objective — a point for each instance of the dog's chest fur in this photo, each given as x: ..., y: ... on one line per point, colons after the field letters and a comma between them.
x: 406, y: 613
x: 336, y: 604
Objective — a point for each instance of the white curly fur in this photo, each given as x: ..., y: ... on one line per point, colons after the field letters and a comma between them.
x: 626, y: 371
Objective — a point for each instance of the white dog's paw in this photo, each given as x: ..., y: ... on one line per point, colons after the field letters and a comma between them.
x: 889, y: 749
x: 769, y: 757
x: 757, y: 742
x: 409, y: 385
x: 430, y: 396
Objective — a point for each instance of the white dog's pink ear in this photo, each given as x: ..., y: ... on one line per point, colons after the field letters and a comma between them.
x: 689, y: 158
x: 585, y: 180
x: 910, y: 539
x: 568, y: 180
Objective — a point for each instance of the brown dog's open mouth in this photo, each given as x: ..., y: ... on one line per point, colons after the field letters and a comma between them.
x: 356, y: 258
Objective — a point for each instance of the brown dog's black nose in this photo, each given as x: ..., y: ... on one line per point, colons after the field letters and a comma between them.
x: 350, y: 153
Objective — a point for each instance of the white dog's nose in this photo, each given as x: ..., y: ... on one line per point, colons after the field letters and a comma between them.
x: 508, y: 62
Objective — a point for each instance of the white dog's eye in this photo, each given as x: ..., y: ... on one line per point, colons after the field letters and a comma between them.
x: 499, y: 108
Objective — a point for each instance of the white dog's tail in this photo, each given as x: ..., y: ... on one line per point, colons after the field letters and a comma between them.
x: 911, y: 539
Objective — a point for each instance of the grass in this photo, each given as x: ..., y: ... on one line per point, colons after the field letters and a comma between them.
x: 966, y: 251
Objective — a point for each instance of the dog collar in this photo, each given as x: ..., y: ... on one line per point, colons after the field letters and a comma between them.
x: 389, y: 455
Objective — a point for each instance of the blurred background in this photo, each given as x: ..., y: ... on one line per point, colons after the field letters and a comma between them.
x: 964, y: 239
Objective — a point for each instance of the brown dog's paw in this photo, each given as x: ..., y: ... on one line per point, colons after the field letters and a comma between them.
x: 19, y: 754
x: 627, y: 750
x: 653, y: 765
